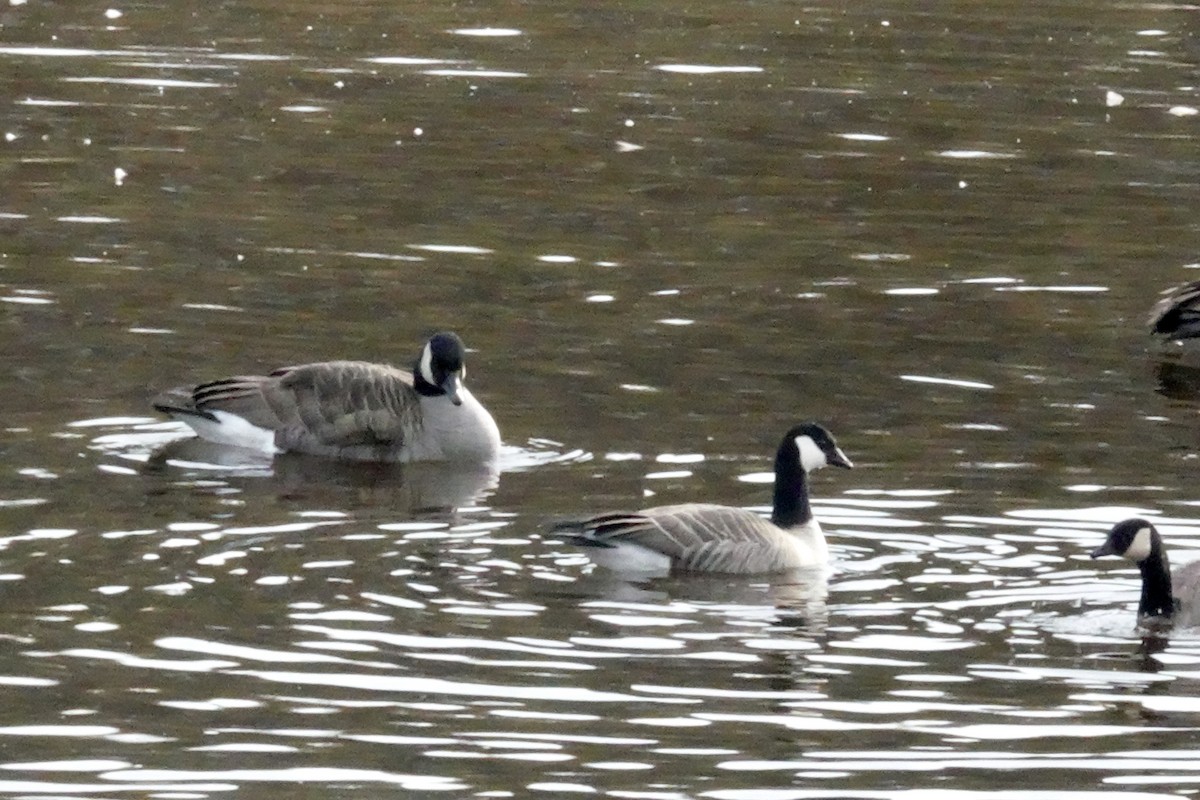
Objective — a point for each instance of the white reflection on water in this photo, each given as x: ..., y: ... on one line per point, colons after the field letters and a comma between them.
x: 1064, y: 289
x: 66, y: 52
x: 245, y: 653
x: 475, y: 73
x: 440, y: 687
x: 291, y: 775
x: 976, y: 154
x: 706, y: 69
x: 90, y: 219
x: 86, y: 731
x: 156, y: 83
x: 463, y: 249
x: 41, y: 788
x: 486, y: 32
x: 28, y: 297
x: 408, y: 61
x: 927, y: 794
x: 128, y: 660
x: 958, y: 382
x: 82, y: 765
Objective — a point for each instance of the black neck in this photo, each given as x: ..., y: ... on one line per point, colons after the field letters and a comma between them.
x: 423, y: 386
x: 791, y: 506
x: 1156, y: 586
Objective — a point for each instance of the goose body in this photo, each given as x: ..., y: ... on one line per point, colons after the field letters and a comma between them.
x: 1163, y: 596
x: 347, y: 409
x: 1177, y: 315
x: 708, y: 538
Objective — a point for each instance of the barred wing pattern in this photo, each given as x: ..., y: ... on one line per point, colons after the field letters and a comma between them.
x: 699, y: 537
x: 325, y: 408
x: 1177, y: 314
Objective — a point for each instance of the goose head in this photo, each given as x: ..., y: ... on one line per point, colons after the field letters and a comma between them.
x: 804, y: 447
x: 814, y: 447
x: 1134, y: 540
x: 1138, y: 541
x: 440, y: 368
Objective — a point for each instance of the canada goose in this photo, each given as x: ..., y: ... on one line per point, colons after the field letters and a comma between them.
x: 1139, y: 541
x: 701, y: 537
x: 1177, y: 314
x: 347, y: 409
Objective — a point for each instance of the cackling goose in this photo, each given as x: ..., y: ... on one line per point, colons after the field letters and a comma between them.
x: 347, y: 409
x: 1139, y: 541
x: 707, y: 538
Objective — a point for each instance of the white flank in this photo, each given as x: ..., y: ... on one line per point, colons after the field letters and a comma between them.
x: 630, y: 558
x: 232, y: 430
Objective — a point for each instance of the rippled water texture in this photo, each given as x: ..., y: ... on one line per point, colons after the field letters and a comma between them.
x: 666, y: 233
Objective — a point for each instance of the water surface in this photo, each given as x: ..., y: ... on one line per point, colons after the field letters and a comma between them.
x: 666, y: 235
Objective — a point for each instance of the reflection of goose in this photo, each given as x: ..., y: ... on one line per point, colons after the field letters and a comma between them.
x: 1177, y: 314
x: 348, y: 409
x: 417, y: 487
x: 1177, y: 381
x: 700, y: 537
x: 1139, y: 541
x: 796, y: 600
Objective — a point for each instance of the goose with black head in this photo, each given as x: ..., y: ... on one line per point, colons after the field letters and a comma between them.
x: 348, y: 409
x: 716, y: 539
x: 1164, y: 596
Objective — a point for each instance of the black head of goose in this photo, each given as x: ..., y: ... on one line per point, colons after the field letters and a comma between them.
x: 347, y: 409
x: 707, y: 538
x: 1137, y: 540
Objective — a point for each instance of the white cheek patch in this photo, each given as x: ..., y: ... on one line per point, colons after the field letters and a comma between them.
x: 811, y: 456
x: 427, y: 364
x: 1139, y: 548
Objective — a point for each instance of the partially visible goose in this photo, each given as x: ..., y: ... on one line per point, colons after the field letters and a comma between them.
x: 1177, y: 315
x: 701, y: 537
x: 347, y: 409
x: 1139, y: 541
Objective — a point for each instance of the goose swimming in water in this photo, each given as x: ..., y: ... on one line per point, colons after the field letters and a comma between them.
x: 347, y: 409
x: 706, y: 538
x: 1137, y: 540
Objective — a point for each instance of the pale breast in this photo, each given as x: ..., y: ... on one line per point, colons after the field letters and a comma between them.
x: 448, y: 432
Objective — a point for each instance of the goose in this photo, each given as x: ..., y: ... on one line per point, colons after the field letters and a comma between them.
x: 347, y: 409
x: 1177, y: 315
x: 707, y: 538
x: 1139, y: 541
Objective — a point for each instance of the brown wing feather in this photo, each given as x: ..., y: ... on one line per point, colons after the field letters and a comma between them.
x: 241, y: 395
x: 345, y: 404
x: 316, y: 407
x: 697, y: 537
